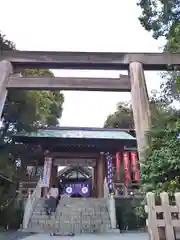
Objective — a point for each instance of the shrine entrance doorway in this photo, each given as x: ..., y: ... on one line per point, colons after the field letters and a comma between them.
x: 75, y: 173
x: 75, y: 181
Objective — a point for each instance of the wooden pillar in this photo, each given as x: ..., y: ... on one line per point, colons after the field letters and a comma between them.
x: 100, y: 176
x: 5, y: 70
x: 95, y: 181
x: 140, y: 104
x: 47, y: 174
x: 53, y: 174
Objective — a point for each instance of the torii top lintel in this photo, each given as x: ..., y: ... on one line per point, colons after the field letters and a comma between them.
x: 90, y: 60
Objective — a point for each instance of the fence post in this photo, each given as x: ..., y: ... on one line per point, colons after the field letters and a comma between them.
x: 177, y: 199
x: 169, y: 230
x: 152, y: 218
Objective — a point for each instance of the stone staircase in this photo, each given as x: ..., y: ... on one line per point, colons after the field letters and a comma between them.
x: 75, y: 215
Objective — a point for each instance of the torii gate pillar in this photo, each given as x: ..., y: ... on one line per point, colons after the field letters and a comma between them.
x: 140, y: 104
x: 6, y: 70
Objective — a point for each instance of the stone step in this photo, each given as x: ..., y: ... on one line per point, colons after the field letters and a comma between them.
x: 104, y: 216
x: 83, y: 200
x: 73, y: 210
x: 73, y: 206
x: 66, y: 227
x: 70, y: 221
x: 72, y: 215
x: 80, y: 218
x: 79, y: 204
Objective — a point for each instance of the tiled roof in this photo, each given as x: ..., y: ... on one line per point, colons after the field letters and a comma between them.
x: 86, y: 133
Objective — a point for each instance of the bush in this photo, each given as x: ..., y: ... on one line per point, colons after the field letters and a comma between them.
x: 12, y: 216
x: 128, y: 214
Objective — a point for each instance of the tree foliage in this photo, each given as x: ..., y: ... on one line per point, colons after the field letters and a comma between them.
x: 121, y: 118
x: 160, y: 168
x: 161, y: 165
x: 160, y: 16
x: 171, y: 80
x: 25, y: 110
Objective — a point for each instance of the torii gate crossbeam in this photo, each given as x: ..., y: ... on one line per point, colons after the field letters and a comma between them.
x: 121, y: 84
x: 90, y: 60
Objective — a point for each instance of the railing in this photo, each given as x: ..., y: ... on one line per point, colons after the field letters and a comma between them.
x: 163, y: 220
x: 110, y: 205
x: 30, y: 203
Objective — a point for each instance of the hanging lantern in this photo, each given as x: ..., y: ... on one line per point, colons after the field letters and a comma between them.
x: 127, y: 176
x: 134, y: 165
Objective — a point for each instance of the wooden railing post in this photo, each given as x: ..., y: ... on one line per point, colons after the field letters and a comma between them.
x: 169, y: 230
x: 163, y: 219
x: 151, y: 221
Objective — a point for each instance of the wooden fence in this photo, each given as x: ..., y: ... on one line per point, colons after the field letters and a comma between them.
x: 163, y: 220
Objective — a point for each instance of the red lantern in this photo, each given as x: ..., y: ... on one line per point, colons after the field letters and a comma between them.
x: 118, y: 166
x: 134, y: 165
x: 127, y: 176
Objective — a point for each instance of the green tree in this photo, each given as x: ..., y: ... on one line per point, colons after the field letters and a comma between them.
x: 161, y: 163
x: 160, y: 167
x: 25, y: 110
x: 121, y: 118
x: 162, y: 152
x: 160, y: 16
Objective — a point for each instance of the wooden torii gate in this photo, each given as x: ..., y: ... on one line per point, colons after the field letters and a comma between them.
x: 134, y: 63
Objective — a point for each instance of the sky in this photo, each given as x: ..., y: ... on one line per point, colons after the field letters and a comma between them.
x: 81, y: 25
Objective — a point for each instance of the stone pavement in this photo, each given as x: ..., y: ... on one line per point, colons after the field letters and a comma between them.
x: 13, y: 235
x: 115, y: 236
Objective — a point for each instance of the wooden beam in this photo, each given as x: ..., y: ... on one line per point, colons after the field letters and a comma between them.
x: 90, y: 60
x: 71, y: 155
x: 121, y: 84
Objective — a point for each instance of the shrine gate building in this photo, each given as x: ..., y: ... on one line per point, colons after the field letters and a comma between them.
x: 83, y: 151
